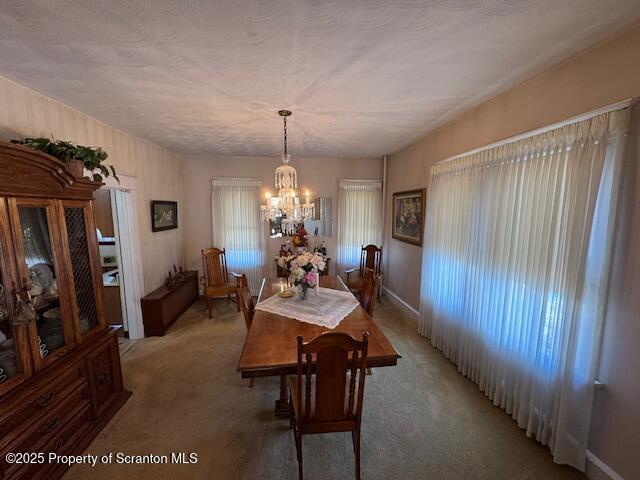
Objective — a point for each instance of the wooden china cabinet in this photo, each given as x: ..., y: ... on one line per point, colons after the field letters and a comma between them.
x: 60, y: 376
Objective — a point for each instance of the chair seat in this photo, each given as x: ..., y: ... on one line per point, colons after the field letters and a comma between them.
x: 224, y: 289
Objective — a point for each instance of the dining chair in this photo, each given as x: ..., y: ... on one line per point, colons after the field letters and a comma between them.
x: 369, y: 290
x: 216, y: 278
x: 246, y: 303
x: 370, y: 258
x: 336, y: 405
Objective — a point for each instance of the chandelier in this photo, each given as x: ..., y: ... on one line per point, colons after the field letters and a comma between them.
x: 286, y: 207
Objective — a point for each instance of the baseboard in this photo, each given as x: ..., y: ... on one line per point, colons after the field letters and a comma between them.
x: 598, y: 470
x: 409, y: 309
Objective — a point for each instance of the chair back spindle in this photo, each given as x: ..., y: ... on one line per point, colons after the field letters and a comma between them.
x: 352, y: 383
x: 307, y: 389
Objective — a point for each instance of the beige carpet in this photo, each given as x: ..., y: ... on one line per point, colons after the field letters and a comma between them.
x: 422, y: 420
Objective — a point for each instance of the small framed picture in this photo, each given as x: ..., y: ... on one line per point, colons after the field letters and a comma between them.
x: 408, y: 216
x: 164, y: 215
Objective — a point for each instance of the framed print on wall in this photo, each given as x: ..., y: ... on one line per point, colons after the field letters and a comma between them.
x: 164, y: 215
x: 408, y: 216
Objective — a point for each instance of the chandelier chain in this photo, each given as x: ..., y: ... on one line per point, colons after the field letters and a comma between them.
x: 285, y: 135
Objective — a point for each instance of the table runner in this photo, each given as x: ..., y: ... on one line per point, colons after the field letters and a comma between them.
x: 327, y: 308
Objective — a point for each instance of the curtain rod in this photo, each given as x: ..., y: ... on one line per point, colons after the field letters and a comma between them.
x: 236, y: 178
x: 360, y: 180
x: 578, y: 118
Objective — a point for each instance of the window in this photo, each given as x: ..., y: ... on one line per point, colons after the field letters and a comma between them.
x: 235, y: 204
x: 515, y: 267
x: 360, y: 219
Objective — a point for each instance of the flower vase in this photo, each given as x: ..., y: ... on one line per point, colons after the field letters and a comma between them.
x: 302, y: 292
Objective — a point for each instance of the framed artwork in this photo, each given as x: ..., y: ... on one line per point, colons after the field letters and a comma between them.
x: 408, y: 216
x: 164, y: 215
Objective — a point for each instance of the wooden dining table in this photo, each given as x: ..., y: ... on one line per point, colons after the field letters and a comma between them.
x: 270, y: 347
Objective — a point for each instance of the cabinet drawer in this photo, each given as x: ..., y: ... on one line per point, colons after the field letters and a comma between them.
x: 64, y: 443
x: 23, y: 412
x: 61, y: 442
x: 43, y: 432
x: 104, y: 376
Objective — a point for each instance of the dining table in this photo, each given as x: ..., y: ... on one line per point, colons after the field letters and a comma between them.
x: 270, y: 347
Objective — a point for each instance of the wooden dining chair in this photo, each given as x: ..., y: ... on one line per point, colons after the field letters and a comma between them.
x: 369, y: 291
x: 247, y: 304
x: 216, y: 278
x: 336, y: 405
x: 370, y: 258
x: 245, y: 299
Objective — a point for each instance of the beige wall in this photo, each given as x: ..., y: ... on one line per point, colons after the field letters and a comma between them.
x: 601, y: 76
x: 319, y: 175
x: 24, y: 112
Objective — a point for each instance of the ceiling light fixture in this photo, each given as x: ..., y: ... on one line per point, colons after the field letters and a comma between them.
x: 286, y: 207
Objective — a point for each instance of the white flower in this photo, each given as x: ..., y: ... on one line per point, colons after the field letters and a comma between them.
x: 303, y: 260
x: 318, y: 262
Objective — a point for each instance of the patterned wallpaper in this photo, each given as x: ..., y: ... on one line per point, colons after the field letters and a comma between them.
x: 24, y: 112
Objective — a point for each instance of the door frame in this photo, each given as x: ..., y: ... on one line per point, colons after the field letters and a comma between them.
x: 132, y: 279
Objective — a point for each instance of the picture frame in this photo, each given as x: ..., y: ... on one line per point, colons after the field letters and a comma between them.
x: 164, y: 215
x: 408, y: 216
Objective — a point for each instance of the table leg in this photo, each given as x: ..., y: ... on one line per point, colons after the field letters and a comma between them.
x: 283, y: 406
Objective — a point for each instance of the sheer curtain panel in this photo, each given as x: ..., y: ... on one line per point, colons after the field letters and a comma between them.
x: 235, y: 206
x: 359, y: 220
x: 515, y: 269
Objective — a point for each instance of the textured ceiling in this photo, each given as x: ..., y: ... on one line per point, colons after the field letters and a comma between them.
x: 363, y: 77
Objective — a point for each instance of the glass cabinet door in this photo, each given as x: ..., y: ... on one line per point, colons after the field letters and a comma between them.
x: 40, y: 269
x: 13, y: 366
x: 9, y: 362
x: 84, y: 265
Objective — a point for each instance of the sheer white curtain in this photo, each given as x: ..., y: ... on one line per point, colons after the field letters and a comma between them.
x: 235, y: 207
x: 515, y: 269
x: 359, y: 220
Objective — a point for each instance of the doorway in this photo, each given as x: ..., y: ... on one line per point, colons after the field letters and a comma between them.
x: 116, y: 229
x: 110, y: 260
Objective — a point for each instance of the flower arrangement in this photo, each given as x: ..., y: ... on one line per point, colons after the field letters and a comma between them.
x: 303, y: 270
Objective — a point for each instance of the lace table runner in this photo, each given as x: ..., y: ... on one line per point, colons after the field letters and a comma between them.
x: 327, y: 308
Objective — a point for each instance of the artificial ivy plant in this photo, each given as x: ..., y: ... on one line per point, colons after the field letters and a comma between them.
x: 91, y: 157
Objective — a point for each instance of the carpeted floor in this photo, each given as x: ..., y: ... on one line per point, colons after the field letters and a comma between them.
x: 422, y: 420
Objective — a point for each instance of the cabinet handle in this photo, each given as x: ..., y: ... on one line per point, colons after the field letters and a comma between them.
x: 46, y: 399
x: 104, y: 377
x: 48, y: 426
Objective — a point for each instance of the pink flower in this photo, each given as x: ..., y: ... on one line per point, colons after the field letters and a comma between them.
x: 311, y: 277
